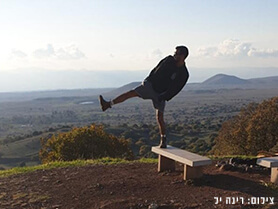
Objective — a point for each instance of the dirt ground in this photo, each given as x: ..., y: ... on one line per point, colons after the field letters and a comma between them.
x: 132, y: 186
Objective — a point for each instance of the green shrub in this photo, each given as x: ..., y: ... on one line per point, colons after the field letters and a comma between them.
x: 83, y: 143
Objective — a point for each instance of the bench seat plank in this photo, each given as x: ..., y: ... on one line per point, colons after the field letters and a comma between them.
x: 182, y: 156
x: 268, y: 162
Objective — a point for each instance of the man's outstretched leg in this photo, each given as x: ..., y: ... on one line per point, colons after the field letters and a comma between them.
x: 162, y: 129
x: 105, y: 104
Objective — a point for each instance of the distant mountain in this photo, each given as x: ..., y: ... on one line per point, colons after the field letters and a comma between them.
x: 222, y: 79
x: 219, y: 81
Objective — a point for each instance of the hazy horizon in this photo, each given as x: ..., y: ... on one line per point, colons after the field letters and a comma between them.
x: 44, y: 80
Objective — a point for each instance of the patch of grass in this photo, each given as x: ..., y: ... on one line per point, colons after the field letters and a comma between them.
x: 148, y: 160
x: 213, y: 157
x: 75, y: 163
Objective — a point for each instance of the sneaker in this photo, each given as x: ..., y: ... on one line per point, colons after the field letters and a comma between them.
x: 163, y: 143
x: 104, y: 104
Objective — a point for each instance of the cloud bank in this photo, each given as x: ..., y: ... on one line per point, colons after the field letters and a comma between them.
x: 234, y: 47
x: 263, y: 53
x: 67, y: 53
x: 18, y: 54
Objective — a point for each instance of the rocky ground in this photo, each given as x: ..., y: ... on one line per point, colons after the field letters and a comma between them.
x: 136, y: 185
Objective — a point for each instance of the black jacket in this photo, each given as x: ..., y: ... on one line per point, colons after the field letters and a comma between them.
x: 167, y: 79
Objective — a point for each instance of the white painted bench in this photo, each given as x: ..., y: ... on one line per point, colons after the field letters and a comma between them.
x: 270, y: 162
x: 193, y: 163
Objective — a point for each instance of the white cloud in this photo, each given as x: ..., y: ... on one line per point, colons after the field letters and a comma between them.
x: 234, y: 47
x: 44, y: 53
x: 154, y: 54
x: 157, y: 53
x: 18, y: 54
x: 207, y: 51
x: 263, y: 53
x: 67, y: 53
x: 231, y: 47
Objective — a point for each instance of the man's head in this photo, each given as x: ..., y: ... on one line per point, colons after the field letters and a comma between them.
x: 181, y: 53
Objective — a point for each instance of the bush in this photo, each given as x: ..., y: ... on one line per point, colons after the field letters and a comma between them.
x: 83, y: 143
x: 252, y: 130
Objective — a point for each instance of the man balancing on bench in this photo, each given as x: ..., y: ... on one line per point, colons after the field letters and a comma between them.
x: 164, y: 82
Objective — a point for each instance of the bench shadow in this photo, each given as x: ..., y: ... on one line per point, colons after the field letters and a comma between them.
x: 233, y: 183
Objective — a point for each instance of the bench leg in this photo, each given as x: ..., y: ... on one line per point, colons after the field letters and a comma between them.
x: 192, y: 172
x: 165, y: 163
x: 274, y: 175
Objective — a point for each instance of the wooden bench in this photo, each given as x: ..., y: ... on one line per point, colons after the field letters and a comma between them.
x: 270, y: 162
x: 193, y: 163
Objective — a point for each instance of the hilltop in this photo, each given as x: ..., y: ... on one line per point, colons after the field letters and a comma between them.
x: 131, y: 185
x: 222, y: 81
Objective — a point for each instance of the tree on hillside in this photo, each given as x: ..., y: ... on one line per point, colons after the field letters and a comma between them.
x: 263, y: 127
x: 83, y: 143
x: 252, y: 130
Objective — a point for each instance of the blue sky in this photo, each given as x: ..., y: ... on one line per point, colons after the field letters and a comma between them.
x: 109, y: 35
